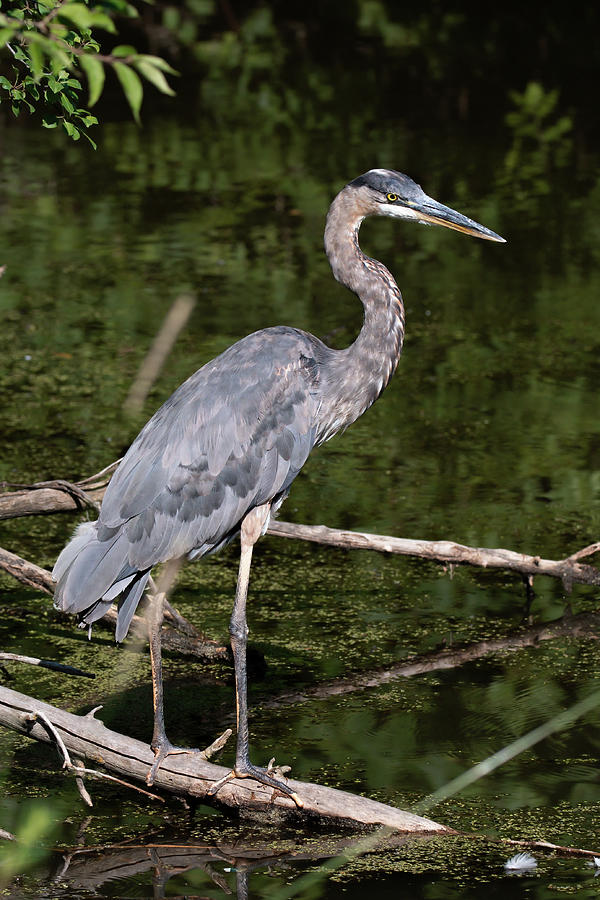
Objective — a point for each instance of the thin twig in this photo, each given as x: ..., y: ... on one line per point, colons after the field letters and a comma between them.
x: 101, y: 476
x: 96, y: 774
x: 217, y: 745
x: 445, y: 552
x: 83, y: 792
x: 38, y: 715
x: 586, y: 551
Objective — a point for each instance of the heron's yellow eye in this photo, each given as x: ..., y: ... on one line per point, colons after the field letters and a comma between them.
x: 392, y: 197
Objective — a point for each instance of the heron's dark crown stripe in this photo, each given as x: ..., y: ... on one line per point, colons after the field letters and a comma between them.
x: 388, y: 181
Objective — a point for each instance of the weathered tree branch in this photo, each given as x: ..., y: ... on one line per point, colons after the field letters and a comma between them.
x: 53, y: 496
x: 191, y: 776
x: 49, y: 497
x: 447, y: 552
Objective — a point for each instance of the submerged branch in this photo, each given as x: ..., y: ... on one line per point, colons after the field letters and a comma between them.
x: 62, y: 496
x: 191, y: 776
x: 582, y: 626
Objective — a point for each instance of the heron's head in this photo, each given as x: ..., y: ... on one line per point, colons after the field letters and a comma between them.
x: 384, y: 192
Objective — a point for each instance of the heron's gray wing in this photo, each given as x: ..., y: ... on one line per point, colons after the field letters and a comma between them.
x: 233, y: 436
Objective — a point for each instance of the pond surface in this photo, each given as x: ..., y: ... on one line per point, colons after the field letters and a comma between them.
x: 488, y: 436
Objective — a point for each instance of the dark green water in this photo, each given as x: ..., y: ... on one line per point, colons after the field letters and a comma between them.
x: 488, y: 436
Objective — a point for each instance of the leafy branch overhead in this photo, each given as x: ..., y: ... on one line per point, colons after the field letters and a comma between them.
x: 45, y: 47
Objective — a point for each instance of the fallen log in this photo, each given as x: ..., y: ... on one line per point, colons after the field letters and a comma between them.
x: 191, y: 776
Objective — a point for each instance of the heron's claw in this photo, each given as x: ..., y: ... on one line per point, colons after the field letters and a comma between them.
x: 161, y: 751
x: 277, y: 771
x: 263, y: 776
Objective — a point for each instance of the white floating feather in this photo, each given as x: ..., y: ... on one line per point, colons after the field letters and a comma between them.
x: 520, y: 862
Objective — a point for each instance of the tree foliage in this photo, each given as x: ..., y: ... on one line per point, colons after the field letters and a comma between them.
x: 53, y: 45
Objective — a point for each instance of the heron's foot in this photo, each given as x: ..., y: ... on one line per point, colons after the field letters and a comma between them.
x: 162, y: 749
x: 270, y: 777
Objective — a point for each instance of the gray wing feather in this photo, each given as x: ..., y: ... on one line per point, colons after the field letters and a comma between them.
x: 231, y: 437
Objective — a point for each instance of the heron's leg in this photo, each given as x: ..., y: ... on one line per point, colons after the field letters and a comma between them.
x: 160, y: 743
x: 253, y: 526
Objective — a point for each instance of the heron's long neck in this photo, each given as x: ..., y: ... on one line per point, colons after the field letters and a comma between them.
x: 357, y: 375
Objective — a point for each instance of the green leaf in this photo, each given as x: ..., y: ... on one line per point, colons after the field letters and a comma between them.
x: 132, y: 88
x: 124, y: 50
x: 93, y: 143
x: 66, y: 103
x: 50, y: 48
x: 159, y: 63
x: 83, y: 18
x: 54, y: 85
x: 36, y: 58
x: 121, y: 6
x: 6, y: 34
x: 94, y: 71
x: 71, y: 130
x: 33, y: 90
x: 171, y: 18
x: 153, y: 75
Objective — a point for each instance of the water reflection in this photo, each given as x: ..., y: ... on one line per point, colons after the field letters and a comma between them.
x: 224, y: 867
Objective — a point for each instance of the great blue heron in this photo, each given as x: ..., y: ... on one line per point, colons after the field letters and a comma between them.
x: 219, y: 457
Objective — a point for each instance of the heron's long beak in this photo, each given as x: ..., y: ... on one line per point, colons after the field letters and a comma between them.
x: 434, y: 213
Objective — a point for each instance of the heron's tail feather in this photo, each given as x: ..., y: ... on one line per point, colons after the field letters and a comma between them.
x: 84, y: 533
x: 91, y: 573
x: 128, y: 604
